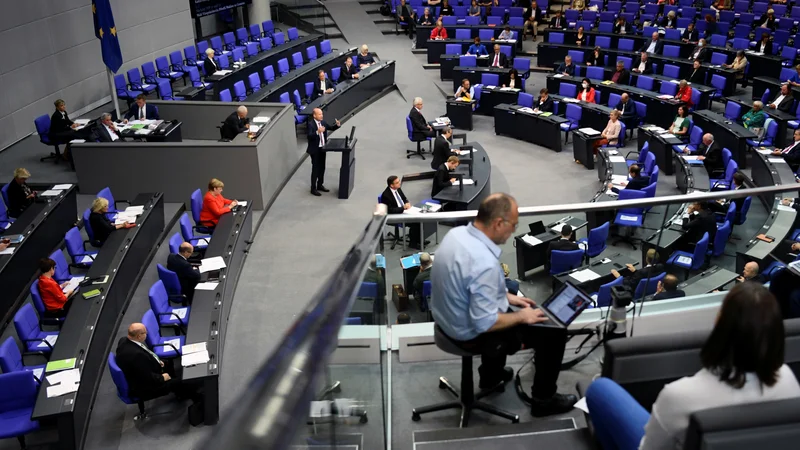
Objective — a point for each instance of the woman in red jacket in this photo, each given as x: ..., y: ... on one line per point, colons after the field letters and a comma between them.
x: 440, y: 32
x: 586, y: 92
x: 53, y: 297
x: 214, y: 204
x: 684, y: 93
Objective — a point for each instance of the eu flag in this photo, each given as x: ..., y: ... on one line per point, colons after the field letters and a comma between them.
x: 106, y: 31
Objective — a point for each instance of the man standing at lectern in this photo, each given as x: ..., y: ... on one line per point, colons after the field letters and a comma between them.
x: 317, y: 138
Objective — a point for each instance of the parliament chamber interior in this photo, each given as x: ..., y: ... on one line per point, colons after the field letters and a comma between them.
x: 549, y: 224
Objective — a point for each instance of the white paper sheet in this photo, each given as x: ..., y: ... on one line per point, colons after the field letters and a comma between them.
x: 531, y: 240
x: 668, y: 136
x: 180, y: 312
x: 38, y: 373
x: 134, y: 210
x: 191, y: 359
x: 619, y: 159
x: 433, y: 207
x: 589, y: 131
x: 684, y: 260
x: 689, y: 157
x: 260, y: 119
x: 777, y: 160
x: 51, y: 339
x: 254, y: 128
x: 585, y: 275
x: 175, y: 343
x: 7, y: 251
x: 412, y: 210
x: 65, y: 376
x: 61, y: 187
x: 582, y: 405
x: 241, y: 203
x: 209, y: 264
x: 557, y: 227
x: 628, y: 218
x: 203, y: 242
x: 785, y: 208
x: 765, y: 151
x: 207, y: 286
x: 86, y: 259
x: 194, y: 348
x: 72, y: 283
x: 50, y: 193
x: 466, y: 181
x: 61, y: 389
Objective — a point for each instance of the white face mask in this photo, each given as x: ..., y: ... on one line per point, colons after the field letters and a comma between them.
x: 699, y: 44
x: 585, y: 85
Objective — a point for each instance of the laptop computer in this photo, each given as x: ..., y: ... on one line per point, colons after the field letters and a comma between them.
x: 563, y: 307
x: 537, y: 228
x: 341, y: 143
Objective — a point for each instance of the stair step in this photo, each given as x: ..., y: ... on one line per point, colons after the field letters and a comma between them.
x: 579, y: 439
x: 321, y: 22
x: 385, y: 20
x: 420, y: 51
x: 370, y: 2
x: 513, y: 429
x: 313, y: 15
x: 373, y: 11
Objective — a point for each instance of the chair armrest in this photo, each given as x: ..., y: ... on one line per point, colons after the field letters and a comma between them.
x: 632, y: 153
x: 180, y: 299
x: 150, y: 80
x: 190, y: 62
x: 177, y: 352
x: 181, y: 325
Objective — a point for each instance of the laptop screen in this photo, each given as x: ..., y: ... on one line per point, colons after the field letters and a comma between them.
x: 352, y: 134
x: 536, y: 228
x: 567, y: 304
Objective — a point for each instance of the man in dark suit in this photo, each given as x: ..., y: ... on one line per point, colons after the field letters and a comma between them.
x: 441, y: 148
x: 698, y: 75
x: 236, y: 123
x: 700, y: 52
x: 621, y: 26
x: 141, y: 110
x: 700, y: 221
x: 558, y: 22
x: 317, y: 133
x: 791, y: 153
x: 668, y: 288
x: 637, y: 181
x: 643, y: 66
x: 627, y: 108
x: 405, y: 13
x: 419, y: 126
x: 444, y: 175
x: 654, y: 45
x: 690, y: 34
x: 393, y: 197
x: 498, y: 58
x: 105, y: 131
x: 532, y: 16
x: 147, y: 375
x: 566, y: 68
x: 425, y: 265
x: 721, y: 206
x: 209, y: 65
x: 564, y: 244
x: 187, y: 275
x: 633, y: 277
x: 545, y: 103
x: 751, y: 273
x: 621, y: 75
x: 321, y: 86
x: 783, y: 101
x: 710, y: 153
x: 349, y: 70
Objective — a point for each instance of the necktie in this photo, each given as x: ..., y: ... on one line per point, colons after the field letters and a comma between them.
x: 558, y: 21
x: 496, y: 60
x: 141, y: 113
x: 149, y: 351
x: 397, y: 197
x: 321, y: 135
x: 789, y: 148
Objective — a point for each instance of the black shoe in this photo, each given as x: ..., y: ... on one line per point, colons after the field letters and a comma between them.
x: 505, y: 377
x: 315, y: 192
x: 557, y: 404
x: 323, y: 189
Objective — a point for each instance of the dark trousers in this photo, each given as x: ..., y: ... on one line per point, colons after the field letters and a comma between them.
x: 494, y: 347
x: 182, y: 389
x: 411, y: 28
x: 317, y: 169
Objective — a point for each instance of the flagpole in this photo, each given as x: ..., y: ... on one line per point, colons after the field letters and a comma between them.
x: 113, y: 92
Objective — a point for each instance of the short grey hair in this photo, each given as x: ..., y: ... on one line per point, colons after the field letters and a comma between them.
x: 758, y: 103
x: 105, y: 116
x: 241, y: 109
x: 209, y: 51
x: 447, y: 130
x: 425, y: 259
x: 417, y: 101
x: 497, y: 205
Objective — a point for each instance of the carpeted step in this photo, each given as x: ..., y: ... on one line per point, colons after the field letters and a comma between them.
x: 573, y: 439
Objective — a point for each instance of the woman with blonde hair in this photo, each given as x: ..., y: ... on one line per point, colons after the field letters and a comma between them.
x: 20, y: 195
x: 214, y: 204
x: 100, y: 225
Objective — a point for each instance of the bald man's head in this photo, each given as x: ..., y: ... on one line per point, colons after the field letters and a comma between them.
x: 137, y: 332
x: 750, y: 270
x: 186, y: 249
x: 317, y: 113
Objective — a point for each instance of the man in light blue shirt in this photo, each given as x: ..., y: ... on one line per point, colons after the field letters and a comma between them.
x: 470, y: 303
x: 477, y: 49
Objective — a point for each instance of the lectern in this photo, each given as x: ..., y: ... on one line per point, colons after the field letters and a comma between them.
x: 347, y: 172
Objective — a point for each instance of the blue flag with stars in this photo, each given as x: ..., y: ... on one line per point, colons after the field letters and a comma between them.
x: 106, y: 31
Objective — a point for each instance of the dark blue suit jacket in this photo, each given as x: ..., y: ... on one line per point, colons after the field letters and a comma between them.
x: 150, y: 112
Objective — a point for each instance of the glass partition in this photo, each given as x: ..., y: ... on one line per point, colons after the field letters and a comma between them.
x: 361, y: 356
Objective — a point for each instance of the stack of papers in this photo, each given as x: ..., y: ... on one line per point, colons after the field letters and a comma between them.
x: 241, y: 203
x: 777, y: 160
x: 207, y: 286
x: 412, y: 210
x: 81, y: 123
x: 531, y: 240
x: 63, y: 382
x: 667, y: 135
x: 433, y: 207
x: 50, y: 193
x: 254, y: 128
x: 509, y: 89
x: 785, y: 208
x: 209, y: 264
x: 73, y: 282
x: 490, y: 87
x: 526, y: 110
x: 689, y: 157
x: 260, y: 119
x: 684, y: 260
x: 465, y: 181
x: 611, y: 193
x: 589, y: 131
x: 7, y: 251
x: 619, y: 159
x: 194, y: 354
x: 560, y: 75
x: 222, y: 72
x: 619, y: 180
x: 665, y: 96
x: 764, y: 151
x: 585, y: 275
x: 60, y: 187
x: 570, y: 100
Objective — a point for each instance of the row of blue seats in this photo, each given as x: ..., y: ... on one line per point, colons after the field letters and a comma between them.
x: 543, y: 4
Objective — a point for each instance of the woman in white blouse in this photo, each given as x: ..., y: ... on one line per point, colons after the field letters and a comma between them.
x: 742, y: 363
x: 514, y: 80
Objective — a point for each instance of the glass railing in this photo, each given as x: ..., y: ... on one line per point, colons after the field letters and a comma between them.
x: 346, y: 374
x: 311, y: 16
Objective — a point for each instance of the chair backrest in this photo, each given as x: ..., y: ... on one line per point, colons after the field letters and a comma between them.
x: 106, y: 194
x: 62, y: 268
x: 298, y: 103
x: 573, y: 112
x: 37, y: 297
x: 452, y: 49
x: 594, y: 73
x: 255, y: 32
x: 119, y: 379
x: 254, y: 81
x: 292, y: 33
x: 721, y: 238
x: 576, y: 55
x: 486, y: 35
x: 170, y: 280
x: 239, y: 90
x: 336, y: 72
x: 279, y: 38
x: 673, y: 51
x: 467, y: 61
x: 525, y: 99
x: 311, y: 53
x: 490, y: 79
x: 368, y: 290
x: 522, y: 64
x: 268, y: 27
x: 26, y: 322
x: 325, y: 47
x: 74, y: 243
x: 597, y: 240
x: 557, y: 38
x: 165, y: 89
x: 175, y: 243
x: 626, y: 62
x: 463, y: 34
x: 644, y: 82
x: 604, y: 293
x: 190, y: 53
x: 162, y: 65
x: 202, y: 46
x: 241, y: 35
x: 196, y: 203
x: 641, y: 109
x: 561, y: 261
x: 159, y: 300
x: 626, y: 44
x: 134, y: 77
x: 10, y: 357
x: 631, y: 194
x: 671, y: 71
x: 186, y: 227
x: 726, y: 156
x: 669, y: 88
x: 567, y: 90
x: 269, y: 74
x: 149, y: 72
x: 733, y: 110
x: 252, y: 49
x: 309, y: 89
x: 449, y: 21
x: 265, y: 43
x: 719, y: 58
x: 150, y: 322
x: 284, y: 98
x: 225, y: 95
x: 699, y: 256
x: 648, y: 286
x: 42, y: 124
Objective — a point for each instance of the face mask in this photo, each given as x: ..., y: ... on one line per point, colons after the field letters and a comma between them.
x: 585, y: 85
x: 699, y: 44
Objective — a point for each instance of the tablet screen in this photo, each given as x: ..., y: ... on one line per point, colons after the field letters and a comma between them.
x: 567, y: 304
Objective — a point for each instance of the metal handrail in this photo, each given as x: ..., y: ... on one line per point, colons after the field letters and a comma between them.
x: 598, y: 206
x: 268, y: 412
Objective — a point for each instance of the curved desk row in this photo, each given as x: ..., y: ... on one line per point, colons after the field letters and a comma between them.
x: 727, y: 133
x: 438, y: 47
x: 780, y: 117
x: 660, y: 111
x: 544, y: 130
x: 461, y: 198
x: 352, y: 94
x: 91, y: 326
x: 760, y: 65
x: 43, y: 226
x: 761, y: 84
x: 549, y: 55
x: 424, y: 33
x: 210, y: 309
x: 770, y: 171
x: 659, y: 146
x: 297, y: 78
x: 690, y: 177
x: 256, y: 63
x: 609, y: 164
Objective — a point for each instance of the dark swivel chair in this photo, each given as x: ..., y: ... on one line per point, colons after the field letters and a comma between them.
x: 468, y: 400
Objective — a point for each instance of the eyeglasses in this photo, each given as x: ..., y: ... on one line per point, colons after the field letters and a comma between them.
x: 513, y: 224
